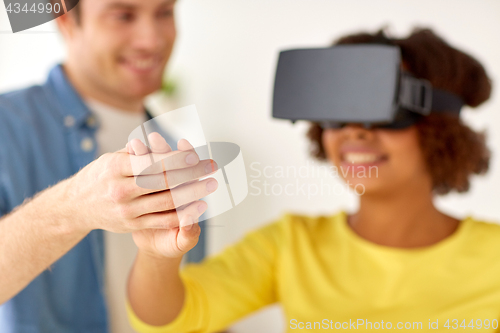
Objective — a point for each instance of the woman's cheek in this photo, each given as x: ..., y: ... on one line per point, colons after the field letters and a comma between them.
x: 404, y: 151
x: 330, y: 142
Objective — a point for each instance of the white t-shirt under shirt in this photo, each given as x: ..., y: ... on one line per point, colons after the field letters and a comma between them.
x: 115, y: 126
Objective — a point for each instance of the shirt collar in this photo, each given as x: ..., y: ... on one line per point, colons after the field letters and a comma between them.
x: 69, y: 101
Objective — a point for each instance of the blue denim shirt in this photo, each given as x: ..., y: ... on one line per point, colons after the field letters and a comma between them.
x: 45, y: 138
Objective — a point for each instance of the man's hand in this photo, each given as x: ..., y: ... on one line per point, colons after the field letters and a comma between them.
x: 175, y: 241
x: 104, y: 194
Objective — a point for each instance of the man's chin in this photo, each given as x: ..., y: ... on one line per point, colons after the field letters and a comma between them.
x: 141, y: 91
x: 140, y: 86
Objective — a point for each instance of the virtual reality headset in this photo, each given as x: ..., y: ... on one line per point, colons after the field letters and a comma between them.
x: 361, y: 83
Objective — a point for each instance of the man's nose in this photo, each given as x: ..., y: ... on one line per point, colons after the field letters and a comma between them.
x: 148, y: 35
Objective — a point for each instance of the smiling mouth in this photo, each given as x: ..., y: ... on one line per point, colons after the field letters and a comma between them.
x: 362, y: 158
x: 145, y: 64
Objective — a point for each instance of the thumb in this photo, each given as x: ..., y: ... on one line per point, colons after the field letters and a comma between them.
x: 189, y: 233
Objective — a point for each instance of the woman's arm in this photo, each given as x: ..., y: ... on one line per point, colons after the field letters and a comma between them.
x: 208, y: 296
x: 155, y: 290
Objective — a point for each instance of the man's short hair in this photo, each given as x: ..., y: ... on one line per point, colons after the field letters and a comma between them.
x: 72, y: 6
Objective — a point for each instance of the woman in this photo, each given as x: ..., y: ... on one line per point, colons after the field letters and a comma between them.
x: 398, y: 262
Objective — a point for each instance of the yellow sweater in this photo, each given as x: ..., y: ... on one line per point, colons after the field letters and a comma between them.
x: 326, y: 277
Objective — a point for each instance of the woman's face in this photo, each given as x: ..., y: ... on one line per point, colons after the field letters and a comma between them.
x: 376, y: 160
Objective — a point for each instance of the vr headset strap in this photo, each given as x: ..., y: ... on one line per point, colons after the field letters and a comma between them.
x: 446, y: 102
x: 419, y: 96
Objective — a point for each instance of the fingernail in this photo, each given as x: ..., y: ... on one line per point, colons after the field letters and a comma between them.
x: 202, y: 207
x: 209, y: 168
x: 212, y: 185
x: 192, y: 159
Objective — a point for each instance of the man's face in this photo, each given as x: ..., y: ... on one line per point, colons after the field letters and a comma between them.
x: 122, y: 46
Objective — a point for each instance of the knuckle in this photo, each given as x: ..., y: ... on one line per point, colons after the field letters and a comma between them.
x: 125, y: 212
x: 109, y: 162
x: 115, y: 193
x: 107, y: 159
x: 95, y: 168
x: 130, y: 225
x: 104, y: 158
x: 118, y: 193
x: 171, y: 222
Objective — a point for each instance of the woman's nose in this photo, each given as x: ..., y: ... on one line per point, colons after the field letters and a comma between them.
x: 357, y: 131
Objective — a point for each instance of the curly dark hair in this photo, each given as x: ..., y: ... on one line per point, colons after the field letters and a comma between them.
x: 451, y: 149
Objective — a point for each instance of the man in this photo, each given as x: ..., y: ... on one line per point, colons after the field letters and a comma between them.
x: 51, y: 246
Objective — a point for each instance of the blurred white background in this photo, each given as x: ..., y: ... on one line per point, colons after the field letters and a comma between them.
x: 224, y: 62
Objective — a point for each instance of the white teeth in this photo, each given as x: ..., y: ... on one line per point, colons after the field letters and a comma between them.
x: 358, y: 158
x: 143, y: 64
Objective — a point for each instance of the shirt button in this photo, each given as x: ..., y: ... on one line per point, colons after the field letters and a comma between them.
x: 91, y: 121
x: 87, y: 144
x: 69, y: 121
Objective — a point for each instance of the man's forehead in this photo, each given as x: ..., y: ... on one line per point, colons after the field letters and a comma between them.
x: 106, y: 4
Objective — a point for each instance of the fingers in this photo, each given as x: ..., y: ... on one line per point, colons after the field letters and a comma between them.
x: 158, y: 143
x: 130, y: 165
x: 173, y: 178
x: 161, y: 158
x: 171, y: 219
x: 184, y: 144
x: 172, y: 199
x: 179, y: 171
x: 138, y: 147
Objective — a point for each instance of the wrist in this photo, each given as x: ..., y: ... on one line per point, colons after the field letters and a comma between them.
x: 56, y: 206
x: 158, y: 259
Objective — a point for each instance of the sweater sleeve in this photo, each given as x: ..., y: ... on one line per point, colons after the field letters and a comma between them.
x: 226, y: 287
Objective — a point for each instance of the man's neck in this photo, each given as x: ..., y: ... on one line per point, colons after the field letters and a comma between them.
x: 87, y: 91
